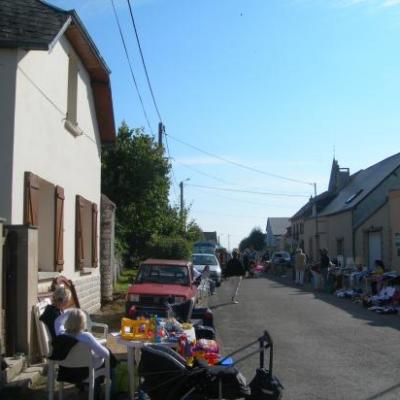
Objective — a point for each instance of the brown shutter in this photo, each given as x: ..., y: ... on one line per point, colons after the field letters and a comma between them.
x: 59, y: 229
x: 31, y: 213
x: 79, y: 247
x: 95, y: 214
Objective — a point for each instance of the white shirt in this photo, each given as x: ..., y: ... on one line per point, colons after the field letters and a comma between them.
x: 99, y: 352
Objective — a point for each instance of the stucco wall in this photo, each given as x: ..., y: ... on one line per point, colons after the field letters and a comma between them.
x: 8, y: 60
x: 43, y: 145
x: 339, y: 226
x: 379, y: 221
x: 394, y: 216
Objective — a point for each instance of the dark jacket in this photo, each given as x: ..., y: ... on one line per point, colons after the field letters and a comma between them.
x: 62, y: 345
x: 50, y: 314
x: 235, y: 268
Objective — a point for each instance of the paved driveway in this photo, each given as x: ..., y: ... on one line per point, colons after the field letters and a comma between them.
x: 325, y: 347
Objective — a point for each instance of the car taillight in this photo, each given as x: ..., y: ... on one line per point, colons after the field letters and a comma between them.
x: 133, y: 297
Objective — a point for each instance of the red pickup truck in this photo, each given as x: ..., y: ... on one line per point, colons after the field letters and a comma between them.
x: 160, y: 282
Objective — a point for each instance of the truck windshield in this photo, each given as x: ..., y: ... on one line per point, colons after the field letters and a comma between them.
x: 171, y: 275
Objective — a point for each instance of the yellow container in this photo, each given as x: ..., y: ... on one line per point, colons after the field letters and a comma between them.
x: 139, y: 329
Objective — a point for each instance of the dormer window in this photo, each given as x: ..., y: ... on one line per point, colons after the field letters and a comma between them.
x: 353, y: 196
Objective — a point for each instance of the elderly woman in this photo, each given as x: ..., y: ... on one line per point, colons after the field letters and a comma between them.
x: 60, y: 300
x: 75, y: 326
x: 75, y: 331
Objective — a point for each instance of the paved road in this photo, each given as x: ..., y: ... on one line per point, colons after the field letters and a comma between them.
x: 325, y: 348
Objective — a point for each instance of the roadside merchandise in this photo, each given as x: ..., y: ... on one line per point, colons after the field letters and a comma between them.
x: 360, y: 283
x: 166, y: 375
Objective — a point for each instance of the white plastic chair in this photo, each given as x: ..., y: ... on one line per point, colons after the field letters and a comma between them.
x: 81, y: 356
x: 44, y: 339
x: 98, y: 329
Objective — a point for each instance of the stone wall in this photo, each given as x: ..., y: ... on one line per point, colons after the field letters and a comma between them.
x: 88, y: 292
x: 108, y: 263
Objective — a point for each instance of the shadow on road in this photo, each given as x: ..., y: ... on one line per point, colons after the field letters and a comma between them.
x: 355, y: 309
x: 214, y: 307
x: 384, y: 392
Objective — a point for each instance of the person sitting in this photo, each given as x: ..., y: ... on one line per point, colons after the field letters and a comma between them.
x: 75, y: 331
x: 60, y: 300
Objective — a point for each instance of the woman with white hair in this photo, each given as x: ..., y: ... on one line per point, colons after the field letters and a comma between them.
x: 75, y: 326
x: 75, y: 331
x: 60, y: 300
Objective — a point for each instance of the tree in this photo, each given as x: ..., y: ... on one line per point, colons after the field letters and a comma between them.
x: 256, y: 239
x: 135, y: 175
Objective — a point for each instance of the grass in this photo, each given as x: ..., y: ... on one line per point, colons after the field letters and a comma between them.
x: 125, y: 279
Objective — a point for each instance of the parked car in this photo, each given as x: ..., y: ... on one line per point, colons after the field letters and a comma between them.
x: 159, y: 282
x: 281, y: 258
x: 200, y: 260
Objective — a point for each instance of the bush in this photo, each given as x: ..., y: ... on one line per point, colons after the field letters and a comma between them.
x: 172, y: 248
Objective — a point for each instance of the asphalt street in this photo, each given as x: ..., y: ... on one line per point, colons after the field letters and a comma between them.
x: 324, y: 347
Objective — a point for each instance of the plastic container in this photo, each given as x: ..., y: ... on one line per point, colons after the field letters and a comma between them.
x: 140, y: 329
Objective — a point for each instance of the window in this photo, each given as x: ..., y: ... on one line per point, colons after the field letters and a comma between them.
x: 301, y: 228
x: 86, y: 236
x: 71, y: 122
x: 44, y: 208
x: 353, y: 196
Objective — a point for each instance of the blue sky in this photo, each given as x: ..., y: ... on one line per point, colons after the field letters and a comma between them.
x: 278, y: 85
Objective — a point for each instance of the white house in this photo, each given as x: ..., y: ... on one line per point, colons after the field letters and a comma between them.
x: 55, y: 111
x: 275, y: 231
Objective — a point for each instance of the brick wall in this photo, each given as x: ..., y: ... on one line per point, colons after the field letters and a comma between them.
x: 88, y: 291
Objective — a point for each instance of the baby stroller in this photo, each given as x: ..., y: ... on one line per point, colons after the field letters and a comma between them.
x: 165, y: 376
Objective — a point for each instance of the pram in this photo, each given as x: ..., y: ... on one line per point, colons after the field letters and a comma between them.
x: 165, y: 376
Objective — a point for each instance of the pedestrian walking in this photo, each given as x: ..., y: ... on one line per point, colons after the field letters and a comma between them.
x: 236, y: 270
x: 300, y: 266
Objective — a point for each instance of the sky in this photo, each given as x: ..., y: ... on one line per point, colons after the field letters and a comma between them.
x: 280, y: 86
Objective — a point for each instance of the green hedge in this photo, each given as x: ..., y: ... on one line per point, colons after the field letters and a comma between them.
x: 172, y: 248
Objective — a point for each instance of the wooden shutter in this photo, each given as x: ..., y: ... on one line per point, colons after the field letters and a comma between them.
x: 79, y: 246
x: 59, y: 229
x: 95, y: 235
x: 31, y: 213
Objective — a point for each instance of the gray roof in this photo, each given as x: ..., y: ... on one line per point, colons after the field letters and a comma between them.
x: 361, y: 184
x: 31, y: 24
x: 306, y: 211
x: 278, y: 225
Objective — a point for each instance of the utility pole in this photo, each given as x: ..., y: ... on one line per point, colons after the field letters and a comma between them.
x: 182, y: 201
x: 161, y: 132
x: 229, y: 242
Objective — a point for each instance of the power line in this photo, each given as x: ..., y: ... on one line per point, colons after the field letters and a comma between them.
x: 237, y: 164
x: 130, y: 67
x: 240, y: 200
x: 249, y: 191
x: 143, y: 62
x: 204, y: 173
